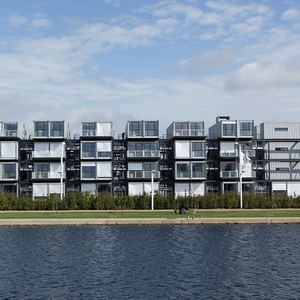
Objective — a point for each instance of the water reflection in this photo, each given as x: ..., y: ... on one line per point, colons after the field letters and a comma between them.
x: 150, y: 262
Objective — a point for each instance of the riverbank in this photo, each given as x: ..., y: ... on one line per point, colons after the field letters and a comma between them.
x: 147, y: 221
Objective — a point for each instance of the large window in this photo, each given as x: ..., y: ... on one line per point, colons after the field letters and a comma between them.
x: 89, y: 149
x: 229, y: 129
x: 198, y: 149
x: 9, y: 171
x: 41, y: 129
x: 143, y: 149
x: 10, y: 129
x: 57, y: 129
x: 135, y: 128
x: 89, y: 172
x: 197, y: 128
x: 182, y: 128
x: 151, y: 128
x: 89, y: 129
x: 246, y: 128
x: 41, y: 170
x: 198, y: 170
x: 183, y: 170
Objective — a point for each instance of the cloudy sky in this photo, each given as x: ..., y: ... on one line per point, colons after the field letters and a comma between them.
x: 166, y: 60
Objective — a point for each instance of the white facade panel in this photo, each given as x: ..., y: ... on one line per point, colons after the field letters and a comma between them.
x: 9, y: 150
x: 182, y: 189
x: 198, y: 189
x: 182, y: 149
x: 147, y: 187
x: 279, y: 186
x: 40, y: 189
x: 135, y: 166
x: 55, y: 149
x: 104, y: 146
x: 104, y: 129
x: 88, y: 187
x: 135, y: 188
x: 54, y: 188
x: 104, y: 170
x: 294, y: 189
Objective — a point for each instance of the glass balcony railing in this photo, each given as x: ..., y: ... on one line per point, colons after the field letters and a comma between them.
x: 229, y: 174
x: 143, y: 153
x: 143, y: 174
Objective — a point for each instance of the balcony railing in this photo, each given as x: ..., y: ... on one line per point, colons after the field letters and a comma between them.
x: 143, y: 153
x: 228, y: 153
x: 229, y: 174
x: 47, y: 175
x: 143, y: 174
x: 189, y: 132
x: 10, y: 133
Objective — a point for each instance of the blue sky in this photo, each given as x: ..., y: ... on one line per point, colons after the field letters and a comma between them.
x: 168, y: 60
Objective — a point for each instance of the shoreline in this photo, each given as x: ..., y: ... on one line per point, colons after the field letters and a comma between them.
x: 147, y: 221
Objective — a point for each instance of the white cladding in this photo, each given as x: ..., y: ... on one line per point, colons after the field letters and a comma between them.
x: 186, y: 189
x: 104, y: 146
x: 105, y: 129
x: 139, y: 188
x: 280, y: 130
x: 88, y: 187
x: 48, y: 149
x: 8, y: 150
x: 182, y: 149
x: 45, y: 189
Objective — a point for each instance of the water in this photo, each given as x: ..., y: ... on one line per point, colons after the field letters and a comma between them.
x: 150, y: 262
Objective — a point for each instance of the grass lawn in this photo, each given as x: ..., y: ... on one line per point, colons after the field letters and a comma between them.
x: 148, y: 214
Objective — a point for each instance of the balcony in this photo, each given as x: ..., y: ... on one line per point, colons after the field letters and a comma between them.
x: 47, y: 175
x: 229, y: 174
x: 189, y: 132
x: 143, y: 174
x: 228, y: 153
x: 143, y: 153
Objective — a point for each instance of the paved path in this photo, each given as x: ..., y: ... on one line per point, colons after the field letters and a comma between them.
x: 146, y: 221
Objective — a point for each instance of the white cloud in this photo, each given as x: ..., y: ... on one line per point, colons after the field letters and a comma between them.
x: 290, y: 14
x: 264, y: 75
x: 208, y: 60
x: 16, y: 20
x: 40, y: 22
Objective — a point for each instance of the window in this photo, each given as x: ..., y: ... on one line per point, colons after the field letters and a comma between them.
x: 9, y: 171
x: 41, y: 129
x: 198, y: 170
x: 229, y: 129
x: 181, y: 128
x: 89, y: 129
x: 89, y: 150
x: 104, y: 154
x: 10, y: 129
x: 197, y: 128
x: 151, y: 128
x: 57, y: 129
x: 198, y: 149
x: 135, y: 129
x: 281, y: 129
x: 282, y: 169
x: 245, y: 128
x: 89, y: 172
x: 41, y: 170
x: 183, y: 170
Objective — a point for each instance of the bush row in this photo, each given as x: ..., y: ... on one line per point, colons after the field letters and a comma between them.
x: 89, y: 201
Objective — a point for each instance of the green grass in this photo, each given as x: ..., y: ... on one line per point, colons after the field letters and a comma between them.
x: 149, y: 214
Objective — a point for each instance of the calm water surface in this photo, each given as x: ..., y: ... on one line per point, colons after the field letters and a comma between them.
x: 150, y: 262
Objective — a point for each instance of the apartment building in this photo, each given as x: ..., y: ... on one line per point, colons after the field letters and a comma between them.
x: 184, y: 161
